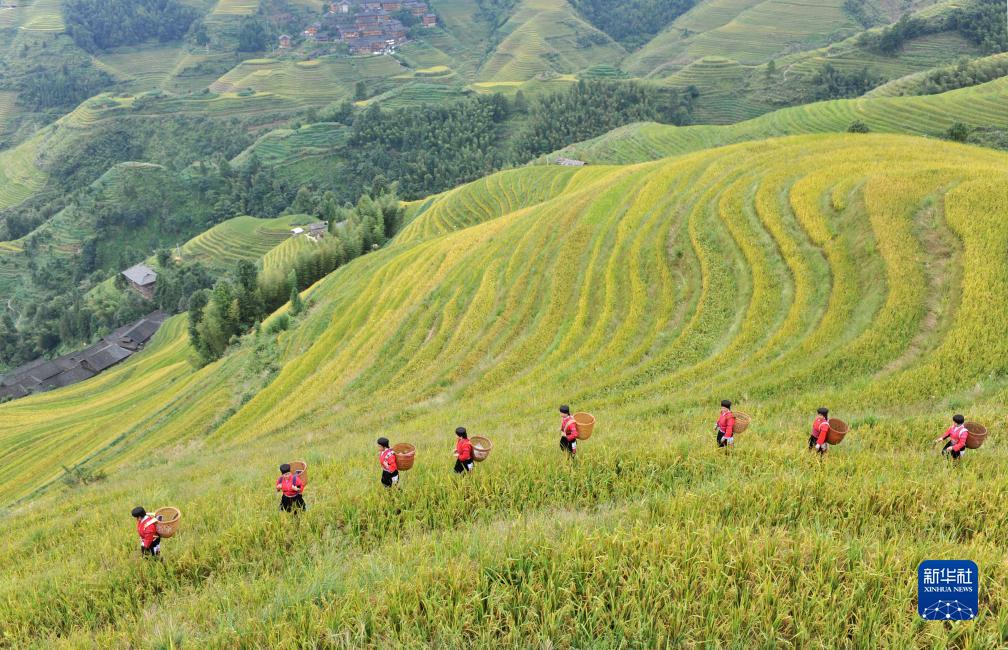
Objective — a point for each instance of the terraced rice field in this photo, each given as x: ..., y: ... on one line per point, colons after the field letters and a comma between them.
x: 236, y: 8
x: 146, y: 68
x: 283, y: 146
x: 909, y: 85
x: 846, y: 270
x: 7, y: 108
x: 542, y: 35
x: 44, y: 16
x: 283, y: 255
x: 719, y: 80
x: 748, y: 31
x: 246, y: 238
x: 918, y: 54
x: 985, y: 105
x: 20, y: 177
x: 330, y: 79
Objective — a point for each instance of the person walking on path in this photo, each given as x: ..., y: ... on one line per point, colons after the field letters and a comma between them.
x: 150, y: 541
x: 568, y: 431
x: 387, y: 460
x: 820, y: 429
x: 291, y: 486
x: 463, y: 452
x: 956, y: 435
x: 725, y: 425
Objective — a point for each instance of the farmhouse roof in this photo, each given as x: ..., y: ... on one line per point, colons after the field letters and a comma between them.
x: 104, y: 355
x: 72, y: 376
x: 140, y: 275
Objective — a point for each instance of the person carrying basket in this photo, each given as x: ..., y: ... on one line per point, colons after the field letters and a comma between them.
x: 568, y: 431
x: 820, y: 429
x: 956, y: 435
x: 389, y: 465
x: 725, y: 427
x: 464, y: 460
x: 150, y: 541
x: 291, y: 486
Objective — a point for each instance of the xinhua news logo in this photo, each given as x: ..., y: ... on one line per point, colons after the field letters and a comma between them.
x: 948, y: 590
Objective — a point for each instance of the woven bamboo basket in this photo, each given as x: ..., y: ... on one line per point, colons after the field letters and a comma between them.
x: 168, y: 521
x: 481, y: 448
x: 585, y: 425
x: 977, y: 435
x: 300, y: 468
x: 742, y: 421
x: 837, y: 430
x: 405, y: 454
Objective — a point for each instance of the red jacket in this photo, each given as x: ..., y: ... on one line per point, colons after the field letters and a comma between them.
x: 819, y: 429
x: 290, y: 484
x: 957, y: 433
x: 726, y: 423
x: 388, y: 460
x: 464, y: 449
x: 147, y: 529
x: 568, y: 427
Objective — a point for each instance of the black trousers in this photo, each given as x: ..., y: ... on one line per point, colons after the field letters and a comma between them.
x: 720, y: 434
x: 289, y: 503
x: 389, y: 478
x: 153, y: 550
x: 463, y: 466
x: 568, y: 445
x: 955, y: 454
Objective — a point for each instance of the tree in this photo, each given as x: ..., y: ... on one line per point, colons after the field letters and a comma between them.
x: 857, y: 126
x: 360, y: 91
x: 296, y: 305
x: 252, y: 35
x: 958, y: 132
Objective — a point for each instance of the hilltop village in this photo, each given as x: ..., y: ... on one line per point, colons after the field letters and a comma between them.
x: 367, y: 26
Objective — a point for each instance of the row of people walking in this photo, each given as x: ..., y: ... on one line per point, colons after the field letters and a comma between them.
x: 291, y: 485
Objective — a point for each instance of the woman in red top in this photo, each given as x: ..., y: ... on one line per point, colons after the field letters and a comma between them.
x: 150, y: 541
x: 291, y: 487
x: 463, y: 452
x: 387, y: 459
x: 568, y: 431
x: 725, y: 425
x: 956, y: 435
x: 820, y: 428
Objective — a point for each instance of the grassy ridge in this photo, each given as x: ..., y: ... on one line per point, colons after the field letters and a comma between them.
x: 984, y: 105
x: 847, y: 270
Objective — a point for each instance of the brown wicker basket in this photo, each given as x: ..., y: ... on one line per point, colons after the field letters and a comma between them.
x: 168, y: 521
x: 481, y: 448
x: 742, y: 421
x: 837, y: 430
x: 585, y: 425
x: 405, y: 454
x: 300, y: 468
x: 977, y: 435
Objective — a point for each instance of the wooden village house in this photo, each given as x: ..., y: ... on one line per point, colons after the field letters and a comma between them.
x: 141, y: 279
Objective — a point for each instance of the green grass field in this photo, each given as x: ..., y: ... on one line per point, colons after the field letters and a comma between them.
x: 856, y: 271
x: 983, y: 105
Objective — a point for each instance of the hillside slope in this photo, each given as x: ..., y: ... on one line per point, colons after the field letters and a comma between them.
x: 985, y: 105
x: 860, y: 272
